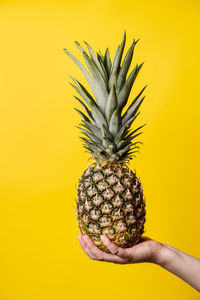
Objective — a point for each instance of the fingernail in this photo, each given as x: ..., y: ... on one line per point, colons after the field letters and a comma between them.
x: 85, y: 237
x: 103, y: 238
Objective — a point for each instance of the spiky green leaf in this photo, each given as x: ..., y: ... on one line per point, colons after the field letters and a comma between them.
x: 82, y: 115
x: 99, y: 87
x: 115, y: 122
x: 95, y: 59
x: 93, y: 128
x: 132, y: 110
x: 125, y: 149
x: 111, y: 104
x: 116, y: 63
x: 124, y: 128
x: 85, y: 107
x: 107, y: 61
x: 82, y: 91
x: 79, y: 47
x: 125, y: 67
x: 106, y: 133
x: 125, y: 91
x: 128, y: 137
x: 82, y: 68
x: 97, y: 115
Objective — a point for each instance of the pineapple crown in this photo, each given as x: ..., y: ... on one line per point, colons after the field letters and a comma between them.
x: 107, y: 135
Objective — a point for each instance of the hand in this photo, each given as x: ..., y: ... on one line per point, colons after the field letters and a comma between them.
x: 146, y: 250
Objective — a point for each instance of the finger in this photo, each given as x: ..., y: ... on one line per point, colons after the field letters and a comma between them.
x: 81, y: 240
x: 94, y: 250
x: 114, y: 249
x: 99, y: 254
x: 84, y: 246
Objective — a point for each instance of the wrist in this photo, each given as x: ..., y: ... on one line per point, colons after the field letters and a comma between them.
x: 156, y: 252
x: 163, y: 255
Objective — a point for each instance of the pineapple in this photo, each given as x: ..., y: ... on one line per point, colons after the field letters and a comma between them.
x: 110, y: 197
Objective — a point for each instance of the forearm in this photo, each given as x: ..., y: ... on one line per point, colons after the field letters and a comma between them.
x: 181, y: 264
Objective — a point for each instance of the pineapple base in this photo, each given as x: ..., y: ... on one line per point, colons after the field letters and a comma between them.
x: 110, y: 201
x: 123, y: 240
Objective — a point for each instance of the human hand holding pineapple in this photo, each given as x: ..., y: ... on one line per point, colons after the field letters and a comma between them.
x: 181, y: 264
x: 146, y: 250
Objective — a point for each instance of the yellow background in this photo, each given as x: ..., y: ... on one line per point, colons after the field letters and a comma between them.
x: 41, y: 157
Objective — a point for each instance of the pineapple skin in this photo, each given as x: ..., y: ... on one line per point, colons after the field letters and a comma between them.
x: 110, y: 201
